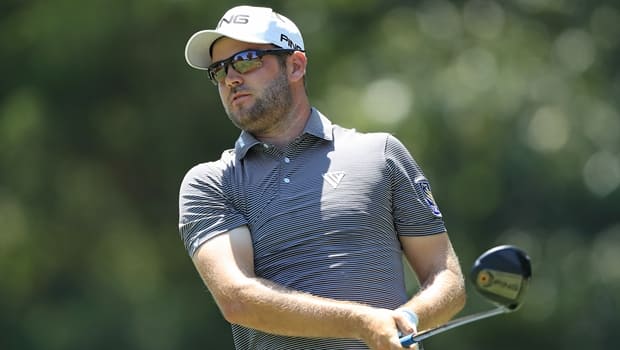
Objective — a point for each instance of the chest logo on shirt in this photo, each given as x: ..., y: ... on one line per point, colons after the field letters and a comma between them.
x: 424, y: 189
x: 333, y: 178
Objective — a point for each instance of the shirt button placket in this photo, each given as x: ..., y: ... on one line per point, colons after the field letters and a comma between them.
x: 287, y: 179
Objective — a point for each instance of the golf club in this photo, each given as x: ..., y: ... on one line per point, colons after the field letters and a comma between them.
x: 501, y: 275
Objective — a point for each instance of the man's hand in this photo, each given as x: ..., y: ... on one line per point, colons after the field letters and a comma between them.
x: 381, y: 327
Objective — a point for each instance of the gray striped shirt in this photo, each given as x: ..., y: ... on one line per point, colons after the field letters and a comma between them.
x: 325, y: 215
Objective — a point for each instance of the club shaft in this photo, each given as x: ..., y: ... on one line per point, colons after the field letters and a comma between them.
x: 412, y: 339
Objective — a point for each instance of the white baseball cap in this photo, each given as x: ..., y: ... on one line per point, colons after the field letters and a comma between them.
x: 258, y: 25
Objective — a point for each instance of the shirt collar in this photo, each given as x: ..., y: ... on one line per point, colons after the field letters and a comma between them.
x: 318, y: 125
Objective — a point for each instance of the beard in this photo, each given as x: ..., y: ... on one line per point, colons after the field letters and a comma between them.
x: 269, y: 109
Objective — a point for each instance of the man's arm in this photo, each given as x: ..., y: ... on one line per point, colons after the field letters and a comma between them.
x: 442, y: 288
x: 226, y: 265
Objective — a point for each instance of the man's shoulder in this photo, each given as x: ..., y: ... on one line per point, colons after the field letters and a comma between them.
x: 213, y: 169
x: 364, y: 137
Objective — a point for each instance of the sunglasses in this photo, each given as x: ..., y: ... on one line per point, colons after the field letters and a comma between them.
x: 242, y: 62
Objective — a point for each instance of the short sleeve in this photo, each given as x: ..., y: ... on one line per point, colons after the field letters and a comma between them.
x: 204, y: 207
x: 416, y: 212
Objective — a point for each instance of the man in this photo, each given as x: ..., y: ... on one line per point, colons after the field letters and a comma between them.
x: 299, y: 231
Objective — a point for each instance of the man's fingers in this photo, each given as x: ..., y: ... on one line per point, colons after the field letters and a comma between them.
x: 405, y: 323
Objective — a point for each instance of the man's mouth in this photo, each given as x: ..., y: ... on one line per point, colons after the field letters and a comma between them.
x: 240, y: 96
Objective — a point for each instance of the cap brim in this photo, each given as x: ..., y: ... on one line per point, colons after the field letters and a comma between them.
x: 197, y: 50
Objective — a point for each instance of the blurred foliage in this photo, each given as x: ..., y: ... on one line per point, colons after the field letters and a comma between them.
x: 511, y: 107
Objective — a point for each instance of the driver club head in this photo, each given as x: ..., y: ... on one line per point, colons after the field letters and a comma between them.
x: 501, y: 275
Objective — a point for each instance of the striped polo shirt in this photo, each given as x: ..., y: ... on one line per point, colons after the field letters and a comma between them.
x: 325, y: 215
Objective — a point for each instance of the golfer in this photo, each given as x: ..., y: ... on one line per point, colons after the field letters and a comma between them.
x: 299, y: 230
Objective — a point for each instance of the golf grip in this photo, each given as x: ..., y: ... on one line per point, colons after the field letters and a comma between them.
x: 411, y: 339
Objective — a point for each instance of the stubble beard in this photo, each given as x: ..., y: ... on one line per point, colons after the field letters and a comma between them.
x: 269, y: 109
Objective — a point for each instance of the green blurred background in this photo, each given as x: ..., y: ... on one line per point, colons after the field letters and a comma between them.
x: 511, y: 107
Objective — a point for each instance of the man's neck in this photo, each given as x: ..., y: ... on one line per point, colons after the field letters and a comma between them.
x: 292, y: 127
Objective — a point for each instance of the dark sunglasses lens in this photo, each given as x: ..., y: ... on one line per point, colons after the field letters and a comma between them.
x: 242, y: 62
x: 245, y: 56
x: 247, y: 66
x: 217, y: 73
x: 246, y: 61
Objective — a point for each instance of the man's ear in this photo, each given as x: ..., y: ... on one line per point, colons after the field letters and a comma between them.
x: 297, y: 68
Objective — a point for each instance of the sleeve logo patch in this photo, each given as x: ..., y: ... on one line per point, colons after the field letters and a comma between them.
x: 423, y: 188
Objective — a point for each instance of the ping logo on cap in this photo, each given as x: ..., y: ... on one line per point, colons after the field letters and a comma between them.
x: 234, y: 19
x: 290, y: 43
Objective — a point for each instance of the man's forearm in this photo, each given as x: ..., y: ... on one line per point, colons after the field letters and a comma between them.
x: 269, y: 307
x: 225, y: 263
x: 439, y: 300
